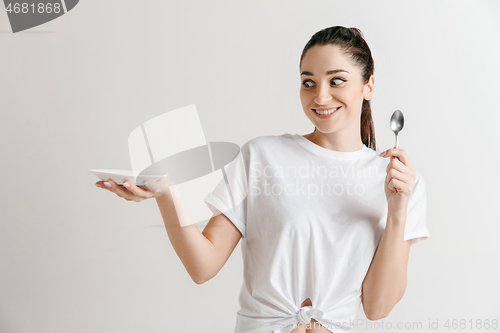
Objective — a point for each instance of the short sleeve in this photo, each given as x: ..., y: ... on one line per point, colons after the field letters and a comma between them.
x: 416, y: 215
x: 230, y: 194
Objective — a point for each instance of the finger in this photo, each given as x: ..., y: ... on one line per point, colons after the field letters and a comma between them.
x: 136, y: 190
x: 400, y: 184
x: 397, y: 186
x: 398, y: 165
x: 392, y: 186
x: 395, y: 174
x: 102, y: 184
x: 400, y: 153
x: 119, y: 190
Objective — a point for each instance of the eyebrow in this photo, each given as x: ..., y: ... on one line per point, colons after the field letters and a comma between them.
x: 327, y: 73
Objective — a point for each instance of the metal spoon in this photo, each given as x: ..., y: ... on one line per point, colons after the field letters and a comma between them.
x: 397, y: 123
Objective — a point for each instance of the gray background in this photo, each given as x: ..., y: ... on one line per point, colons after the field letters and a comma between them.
x: 77, y: 258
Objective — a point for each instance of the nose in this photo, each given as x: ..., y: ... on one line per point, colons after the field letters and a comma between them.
x: 323, y: 95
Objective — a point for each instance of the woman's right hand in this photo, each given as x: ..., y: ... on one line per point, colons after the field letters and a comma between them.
x: 134, y: 192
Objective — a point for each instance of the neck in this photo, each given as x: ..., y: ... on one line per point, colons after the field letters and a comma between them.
x: 333, y: 141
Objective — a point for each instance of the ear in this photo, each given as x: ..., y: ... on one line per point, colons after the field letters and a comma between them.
x: 368, y: 88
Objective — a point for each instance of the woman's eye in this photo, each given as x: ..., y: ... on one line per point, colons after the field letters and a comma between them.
x: 338, y: 80
x: 335, y: 82
x: 306, y: 82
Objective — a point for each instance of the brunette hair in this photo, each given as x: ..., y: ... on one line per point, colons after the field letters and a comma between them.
x: 351, y: 41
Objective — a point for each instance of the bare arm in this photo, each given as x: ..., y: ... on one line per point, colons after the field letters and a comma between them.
x: 385, y: 281
x: 202, y: 254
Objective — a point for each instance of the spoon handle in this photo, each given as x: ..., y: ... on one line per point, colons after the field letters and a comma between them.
x: 397, y: 145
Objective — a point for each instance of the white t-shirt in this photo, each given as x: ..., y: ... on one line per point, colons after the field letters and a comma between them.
x: 311, y: 220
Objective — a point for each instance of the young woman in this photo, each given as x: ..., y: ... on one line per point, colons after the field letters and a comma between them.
x: 325, y: 222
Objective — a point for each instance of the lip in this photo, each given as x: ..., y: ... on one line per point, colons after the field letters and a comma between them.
x: 324, y: 109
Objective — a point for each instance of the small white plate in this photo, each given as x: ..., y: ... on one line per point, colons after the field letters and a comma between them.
x: 119, y: 176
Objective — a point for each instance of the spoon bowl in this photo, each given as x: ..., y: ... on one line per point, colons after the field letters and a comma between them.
x: 397, y: 124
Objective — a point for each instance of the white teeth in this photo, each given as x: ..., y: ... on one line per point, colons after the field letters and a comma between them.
x: 326, y: 111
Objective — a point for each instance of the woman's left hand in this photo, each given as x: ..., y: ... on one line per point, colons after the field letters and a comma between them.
x: 399, y: 181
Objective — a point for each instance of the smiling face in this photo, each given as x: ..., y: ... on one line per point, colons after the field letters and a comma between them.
x: 331, y: 81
